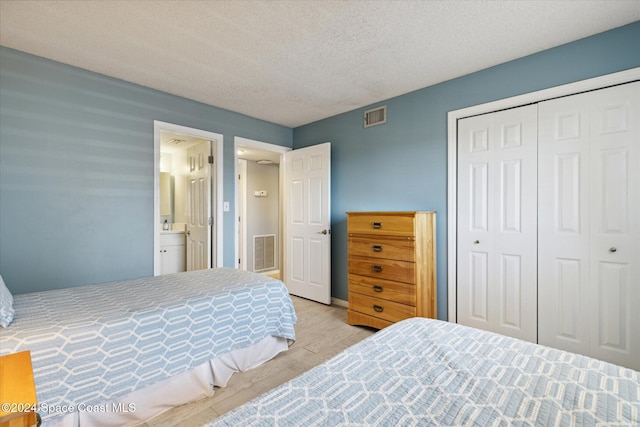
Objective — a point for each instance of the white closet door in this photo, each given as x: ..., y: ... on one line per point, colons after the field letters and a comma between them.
x: 589, y: 224
x: 497, y: 272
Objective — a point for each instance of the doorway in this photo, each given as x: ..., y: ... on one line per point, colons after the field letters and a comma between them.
x: 259, y: 206
x: 303, y: 236
x: 177, y: 142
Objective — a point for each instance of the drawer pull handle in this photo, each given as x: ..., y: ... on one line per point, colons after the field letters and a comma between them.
x: 376, y: 268
x: 378, y: 308
x: 377, y: 248
x: 376, y: 225
x: 377, y: 288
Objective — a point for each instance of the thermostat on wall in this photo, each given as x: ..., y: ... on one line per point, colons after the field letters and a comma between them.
x: 260, y: 193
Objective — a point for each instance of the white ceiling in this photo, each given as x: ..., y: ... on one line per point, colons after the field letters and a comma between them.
x: 295, y: 62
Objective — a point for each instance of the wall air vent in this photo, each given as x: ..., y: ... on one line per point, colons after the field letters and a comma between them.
x: 264, y: 252
x: 376, y: 116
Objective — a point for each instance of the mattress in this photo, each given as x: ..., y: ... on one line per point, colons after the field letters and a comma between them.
x: 92, y: 343
x: 429, y: 372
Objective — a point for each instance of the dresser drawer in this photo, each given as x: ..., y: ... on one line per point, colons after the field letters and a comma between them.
x: 403, y: 293
x: 389, y: 269
x: 381, y: 224
x: 400, y: 248
x: 383, y: 309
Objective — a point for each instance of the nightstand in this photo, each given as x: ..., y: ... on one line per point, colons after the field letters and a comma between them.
x: 18, y: 390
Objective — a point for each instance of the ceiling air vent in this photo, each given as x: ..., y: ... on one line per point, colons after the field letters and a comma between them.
x: 376, y: 116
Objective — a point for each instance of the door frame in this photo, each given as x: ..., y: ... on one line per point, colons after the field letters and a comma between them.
x: 452, y: 160
x: 241, y: 211
x: 217, y: 145
x: 239, y: 141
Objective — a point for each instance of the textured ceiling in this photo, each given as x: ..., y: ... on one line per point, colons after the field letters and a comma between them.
x: 295, y: 62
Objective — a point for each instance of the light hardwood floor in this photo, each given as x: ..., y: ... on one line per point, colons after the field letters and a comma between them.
x: 321, y: 333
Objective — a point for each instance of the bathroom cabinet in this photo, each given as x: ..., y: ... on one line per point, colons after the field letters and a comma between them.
x: 172, y: 251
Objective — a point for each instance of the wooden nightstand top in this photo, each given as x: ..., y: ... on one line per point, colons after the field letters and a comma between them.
x: 17, y: 385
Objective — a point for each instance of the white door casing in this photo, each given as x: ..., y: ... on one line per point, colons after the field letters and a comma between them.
x: 241, y: 204
x: 497, y: 284
x: 590, y: 224
x: 307, y: 222
x: 199, y: 207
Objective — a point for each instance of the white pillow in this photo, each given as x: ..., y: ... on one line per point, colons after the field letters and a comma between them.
x: 6, y: 305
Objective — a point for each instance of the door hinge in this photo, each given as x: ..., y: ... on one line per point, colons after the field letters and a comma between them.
x: 210, y: 220
x: 210, y: 159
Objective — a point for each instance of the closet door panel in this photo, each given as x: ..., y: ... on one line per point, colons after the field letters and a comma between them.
x: 615, y: 224
x: 514, y: 294
x: 478, y: 287
x: 476, y: 240
x: 570, y: 325
x: 563, y: 227
x: 511, y: 314
x: 497, y: 225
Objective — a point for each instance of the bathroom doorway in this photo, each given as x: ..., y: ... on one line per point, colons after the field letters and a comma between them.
x: 187, y: 198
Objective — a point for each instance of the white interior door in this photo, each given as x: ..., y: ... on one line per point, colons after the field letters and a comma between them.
x: 496, y: 277
x: 199, y: 207
x: 589, y: 243
x: 307, y: 185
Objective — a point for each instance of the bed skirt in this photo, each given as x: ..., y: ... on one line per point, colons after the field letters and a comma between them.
x: 142, y: 405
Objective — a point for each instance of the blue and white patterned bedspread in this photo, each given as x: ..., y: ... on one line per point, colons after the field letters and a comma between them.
x: 92, y: 343
x: 423, y: 372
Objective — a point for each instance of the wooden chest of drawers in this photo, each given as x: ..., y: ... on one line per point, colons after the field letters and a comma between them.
x: 392, y: 267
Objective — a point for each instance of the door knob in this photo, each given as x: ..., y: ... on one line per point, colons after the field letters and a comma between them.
x: 612, y: 249
x: 323, y: 232
x: 188, y: 233
x: 475, y: 242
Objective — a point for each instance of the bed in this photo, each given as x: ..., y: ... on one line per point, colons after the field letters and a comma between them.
x: 120, y: 353
x: 429, y: 372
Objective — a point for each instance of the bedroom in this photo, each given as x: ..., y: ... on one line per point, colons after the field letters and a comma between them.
x: 76, y: 177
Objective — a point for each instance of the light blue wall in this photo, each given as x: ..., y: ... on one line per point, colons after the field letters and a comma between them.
x: 402, y: 165
x: 76, y: 171
x: 76, y: 158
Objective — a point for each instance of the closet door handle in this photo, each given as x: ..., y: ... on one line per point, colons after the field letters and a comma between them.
x: 613, y: 249
x: 475, y: 242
